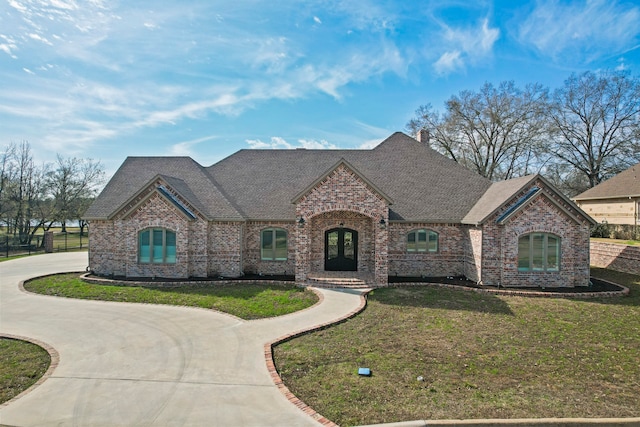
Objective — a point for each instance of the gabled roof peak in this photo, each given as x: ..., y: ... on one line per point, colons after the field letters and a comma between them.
x: 342, y: 162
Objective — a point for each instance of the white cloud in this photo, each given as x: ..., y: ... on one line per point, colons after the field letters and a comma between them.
x: 277, y: 142
x: 448, y: 62
x: 317, y: 20
x: 40, y: 38
x: 312, y: 144
x: 372, y: 143
x: 7, y: 49
x: 185, y: 148
x: 621, y: 65
x: 466, y: 46
x: 581, y: 31
x: 17, y: 5
x: 8, y: 46
x: 74, y: 138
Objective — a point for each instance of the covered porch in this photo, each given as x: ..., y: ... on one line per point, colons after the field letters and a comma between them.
x: 342, y: 248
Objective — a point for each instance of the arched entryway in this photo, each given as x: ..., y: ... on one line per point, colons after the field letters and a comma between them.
x: 341, y: 249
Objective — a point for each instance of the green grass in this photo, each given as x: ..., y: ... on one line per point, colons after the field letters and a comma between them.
x: 241, y: 300
x: 22, y: 364
x: 622, y: 242
x: 481, y: 356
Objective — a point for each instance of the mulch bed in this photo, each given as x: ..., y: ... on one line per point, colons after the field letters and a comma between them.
x: 596, y: 284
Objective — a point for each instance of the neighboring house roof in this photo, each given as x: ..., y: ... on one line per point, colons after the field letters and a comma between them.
x: 625, y: 184
x: 182, y: 174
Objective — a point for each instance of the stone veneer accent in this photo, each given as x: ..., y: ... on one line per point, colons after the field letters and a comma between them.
x: 615, y: 256
x: 473, y: 253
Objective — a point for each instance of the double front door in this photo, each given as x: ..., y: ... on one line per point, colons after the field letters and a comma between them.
x: 341, y: 250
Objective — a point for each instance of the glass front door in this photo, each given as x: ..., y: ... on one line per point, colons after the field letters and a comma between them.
x: 341, y: 250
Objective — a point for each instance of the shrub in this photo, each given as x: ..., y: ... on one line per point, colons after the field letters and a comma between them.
x: 601, y: 230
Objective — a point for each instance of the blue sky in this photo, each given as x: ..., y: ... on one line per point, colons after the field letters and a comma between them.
x: 105, y: 79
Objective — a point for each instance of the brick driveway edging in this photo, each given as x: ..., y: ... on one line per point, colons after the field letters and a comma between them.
x: 53, y: 354
x: 275, y: 376
x: 524, y: 422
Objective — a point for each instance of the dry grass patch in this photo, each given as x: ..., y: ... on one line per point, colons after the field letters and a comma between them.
x: 480, y: 356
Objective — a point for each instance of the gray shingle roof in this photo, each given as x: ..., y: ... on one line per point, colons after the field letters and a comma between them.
x: 625, y: 184
x: 183, y: 174
x: 261, y: 184
x: 423, y: 184
x: 497, y: 195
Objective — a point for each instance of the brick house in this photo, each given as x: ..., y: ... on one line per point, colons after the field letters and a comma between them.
x: 400, y: 209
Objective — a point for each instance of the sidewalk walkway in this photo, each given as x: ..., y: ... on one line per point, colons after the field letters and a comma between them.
x: 135, y: 364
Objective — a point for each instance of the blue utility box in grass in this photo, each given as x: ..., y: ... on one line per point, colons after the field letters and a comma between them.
x: 365, y: 372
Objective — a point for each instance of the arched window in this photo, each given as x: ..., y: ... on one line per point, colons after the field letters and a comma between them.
x: 157, y: 246
x: 539, y: 252
x: 422, y: 241
x: 273, y: 244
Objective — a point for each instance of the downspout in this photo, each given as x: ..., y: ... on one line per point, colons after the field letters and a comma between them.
x: 636, y: 203
x: 242, y: 248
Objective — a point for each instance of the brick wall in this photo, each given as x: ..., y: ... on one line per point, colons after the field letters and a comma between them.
x: 252, y: 262
x: 114, y: 244
x: 155, y: 212
x: 447, y: 261
x: 342, y: 190
x: 615, y: 256
x: 224, y: 255
x: 104, y: 248
x: 488, y: 253
x: 540, y: 215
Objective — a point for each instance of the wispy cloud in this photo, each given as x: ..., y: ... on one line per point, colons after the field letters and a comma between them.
x: 465, y: 46
x: 8, y: 45
x: 277, y: 142
x: 581, y: 31
x: 185, y: 148
x: 109, y: 62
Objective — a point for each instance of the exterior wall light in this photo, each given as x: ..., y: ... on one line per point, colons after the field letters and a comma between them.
x: 383, y: 223
x: 301, y: 222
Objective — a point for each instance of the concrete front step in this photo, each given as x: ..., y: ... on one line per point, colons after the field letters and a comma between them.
x: 337, y: 282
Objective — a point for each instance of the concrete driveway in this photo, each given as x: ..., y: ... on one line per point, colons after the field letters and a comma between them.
x: 140, y: 365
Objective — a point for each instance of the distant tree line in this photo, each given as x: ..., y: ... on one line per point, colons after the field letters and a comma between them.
x: 577, y: 135
x: 35, y: 197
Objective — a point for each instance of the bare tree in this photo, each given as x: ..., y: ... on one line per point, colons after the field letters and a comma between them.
x: 7, y: 171
x: 22, y: 192
x: 497, y: 131
x: 594, y: 125
x: 71, y: 183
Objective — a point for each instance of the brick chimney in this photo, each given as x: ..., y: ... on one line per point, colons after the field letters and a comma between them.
x: 424, y: 136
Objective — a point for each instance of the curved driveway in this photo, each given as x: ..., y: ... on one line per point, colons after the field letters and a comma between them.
x: 127, y: 364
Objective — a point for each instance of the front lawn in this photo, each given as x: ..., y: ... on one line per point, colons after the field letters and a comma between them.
x: 477, y: 356
x: 241, y: 300
x: 618, y: 241
x: 23, y: 363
